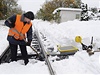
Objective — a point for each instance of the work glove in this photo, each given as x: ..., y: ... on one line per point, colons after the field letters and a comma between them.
x: 28, y: 43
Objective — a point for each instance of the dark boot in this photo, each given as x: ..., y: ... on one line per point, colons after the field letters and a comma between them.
x: 26, y: 62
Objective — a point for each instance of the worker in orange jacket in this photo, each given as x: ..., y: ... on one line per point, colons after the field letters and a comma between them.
x: 20, y: 28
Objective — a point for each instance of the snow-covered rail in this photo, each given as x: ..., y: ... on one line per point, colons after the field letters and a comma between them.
x: 5, y: 56
x: 52, y: 72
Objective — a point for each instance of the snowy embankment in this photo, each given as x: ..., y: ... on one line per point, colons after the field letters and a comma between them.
x: 3, y: 36
x: 59, y: 34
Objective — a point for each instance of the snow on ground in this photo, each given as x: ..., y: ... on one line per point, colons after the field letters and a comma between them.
x: 59, y: 34
x: 3, y: 41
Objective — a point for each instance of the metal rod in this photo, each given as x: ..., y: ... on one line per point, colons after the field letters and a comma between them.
x: 52, y: 72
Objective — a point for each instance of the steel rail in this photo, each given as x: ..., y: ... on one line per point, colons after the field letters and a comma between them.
x: 5, y: 56
x: 52, y: 72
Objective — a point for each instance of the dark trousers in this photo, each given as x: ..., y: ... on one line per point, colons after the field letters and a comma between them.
x: 23, y: 52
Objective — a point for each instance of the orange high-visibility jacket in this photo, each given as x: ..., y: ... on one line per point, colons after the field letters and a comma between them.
x: 20, y: 29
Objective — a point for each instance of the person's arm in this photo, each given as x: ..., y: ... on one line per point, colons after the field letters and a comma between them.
x: 29, y: 36
x: 10, y: 22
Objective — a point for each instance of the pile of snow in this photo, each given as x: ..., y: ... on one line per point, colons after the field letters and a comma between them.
x: 3, y: 36
x: 59, y: 34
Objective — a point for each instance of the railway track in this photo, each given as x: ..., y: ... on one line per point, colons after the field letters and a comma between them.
x: 37, y: 45
x: 52, y: 72
x: 5, y: 56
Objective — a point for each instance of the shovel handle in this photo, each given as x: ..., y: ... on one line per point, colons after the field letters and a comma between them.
x: 26, y: 42
x: 34, y: 50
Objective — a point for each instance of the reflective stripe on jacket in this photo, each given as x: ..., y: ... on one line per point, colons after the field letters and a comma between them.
x: 19, y: 28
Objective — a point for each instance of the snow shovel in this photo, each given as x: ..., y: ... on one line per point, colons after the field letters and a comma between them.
x: 38, y: 55
x: 78, y: 39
